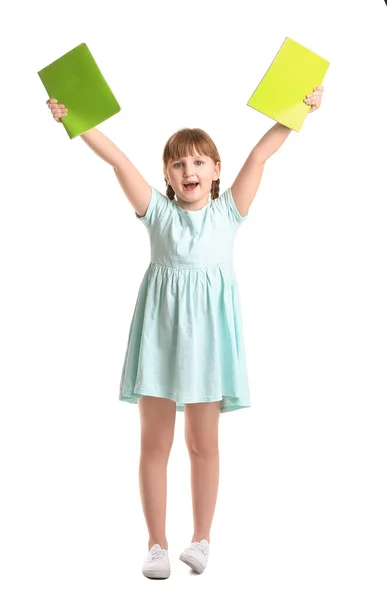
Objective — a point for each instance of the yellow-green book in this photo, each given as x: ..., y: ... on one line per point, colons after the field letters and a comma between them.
x: 294, y: 73
x: 75, y: 80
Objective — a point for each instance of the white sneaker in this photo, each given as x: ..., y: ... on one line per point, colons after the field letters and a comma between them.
x: 196, y: 555
x: 156, y: 565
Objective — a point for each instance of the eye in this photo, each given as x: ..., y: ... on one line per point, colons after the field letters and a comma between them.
x: 179, y: 163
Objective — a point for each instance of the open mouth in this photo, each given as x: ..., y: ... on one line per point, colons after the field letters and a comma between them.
x: 190, y: 186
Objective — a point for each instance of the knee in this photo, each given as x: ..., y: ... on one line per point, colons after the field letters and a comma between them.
x: 157, y: 447
x: 201, y: 447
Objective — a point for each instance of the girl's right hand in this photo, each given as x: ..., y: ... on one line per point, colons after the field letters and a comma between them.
x: 58, y: 110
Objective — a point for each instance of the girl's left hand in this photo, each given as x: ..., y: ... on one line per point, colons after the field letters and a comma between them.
x: 314, y: 99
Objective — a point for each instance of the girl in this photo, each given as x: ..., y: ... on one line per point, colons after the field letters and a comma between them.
x: 185, y: 350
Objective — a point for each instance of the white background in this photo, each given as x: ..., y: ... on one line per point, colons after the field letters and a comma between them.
x: 301, y: 507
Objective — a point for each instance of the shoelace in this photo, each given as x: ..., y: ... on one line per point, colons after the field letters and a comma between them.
x: 156, y: 554
x: 198, y: 546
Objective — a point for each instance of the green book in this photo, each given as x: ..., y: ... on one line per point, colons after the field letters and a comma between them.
x: 75, y: 80
x: 294, y: 73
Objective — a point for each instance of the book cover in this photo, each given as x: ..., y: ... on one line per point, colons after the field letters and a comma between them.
x: 75, y: 80
x: 294, y: 73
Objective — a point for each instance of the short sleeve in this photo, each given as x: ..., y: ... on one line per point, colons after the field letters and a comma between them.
x: 157, y: 206
x: 228, y: 206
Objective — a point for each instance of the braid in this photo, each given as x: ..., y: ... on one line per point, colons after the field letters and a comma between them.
x: 170, y: 192
x: 214, y: 190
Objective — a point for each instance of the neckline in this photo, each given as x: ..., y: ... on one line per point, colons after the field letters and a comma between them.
x: 200, y: 210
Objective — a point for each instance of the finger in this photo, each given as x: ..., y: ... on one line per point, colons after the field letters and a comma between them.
x: 313, y: 100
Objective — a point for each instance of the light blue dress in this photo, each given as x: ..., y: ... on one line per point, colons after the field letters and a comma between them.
x: 186, y: 339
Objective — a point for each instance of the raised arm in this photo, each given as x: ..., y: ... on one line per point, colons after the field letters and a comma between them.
x: 136, y: 189
x: 249, y: 177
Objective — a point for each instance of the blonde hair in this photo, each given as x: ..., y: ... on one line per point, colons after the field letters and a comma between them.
x: 185, y: 142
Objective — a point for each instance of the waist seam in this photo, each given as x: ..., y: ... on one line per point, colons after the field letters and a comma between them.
x: 182, y: 266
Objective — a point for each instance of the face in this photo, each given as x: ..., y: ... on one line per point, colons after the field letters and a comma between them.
x: 197, y: 168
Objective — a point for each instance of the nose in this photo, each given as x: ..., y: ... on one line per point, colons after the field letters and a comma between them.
x: 188, y: 169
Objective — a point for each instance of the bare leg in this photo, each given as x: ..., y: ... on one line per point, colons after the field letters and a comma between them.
x: 157, y: 417
x: 201, y: 435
